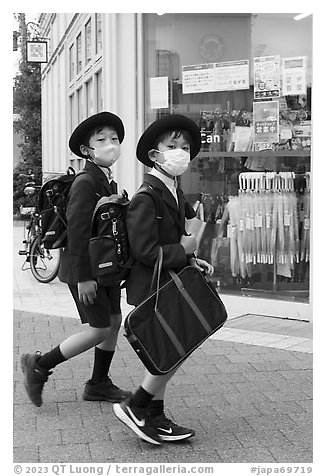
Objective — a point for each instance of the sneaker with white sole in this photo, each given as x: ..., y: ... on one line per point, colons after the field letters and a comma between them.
x: 137, y: 420
x: 170, y: 431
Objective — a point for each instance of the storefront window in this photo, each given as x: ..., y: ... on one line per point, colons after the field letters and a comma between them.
x: 245, y: 79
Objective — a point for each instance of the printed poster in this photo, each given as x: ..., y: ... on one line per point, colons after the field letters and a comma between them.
x: 198, y: 78
x: 294, y: 76
x: 224, y: 76
x: 232, y: 75
x: 266, y: 121
x: 159, y: 92
x: 267, y: 77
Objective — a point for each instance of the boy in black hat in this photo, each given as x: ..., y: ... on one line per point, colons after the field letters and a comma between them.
x: 97, y: 139
x: 167, y: 146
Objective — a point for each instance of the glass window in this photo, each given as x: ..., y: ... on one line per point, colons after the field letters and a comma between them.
x: 99, y: 95
x: 71, y: 62
x: 79, y: 105
x: 88, y: 41
x: 79, y: 53
x: 72, y: 110
x: 89, y: 98
x: 245, y: 79
x: 98, y: 32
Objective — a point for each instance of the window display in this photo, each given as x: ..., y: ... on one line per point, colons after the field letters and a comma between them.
x: 249, y: 91
x: 266, y: 223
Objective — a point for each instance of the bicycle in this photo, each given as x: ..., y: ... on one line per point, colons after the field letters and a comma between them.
x: 43, y: 263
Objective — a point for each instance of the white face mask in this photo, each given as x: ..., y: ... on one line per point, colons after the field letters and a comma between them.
x: 107, y: 154
x: 176, y: 161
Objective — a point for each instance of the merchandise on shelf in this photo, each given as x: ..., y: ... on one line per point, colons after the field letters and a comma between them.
x: 227, y: 131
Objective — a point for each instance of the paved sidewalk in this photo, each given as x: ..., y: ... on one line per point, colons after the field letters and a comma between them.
x: 248, y: 400
x: 246, y: 403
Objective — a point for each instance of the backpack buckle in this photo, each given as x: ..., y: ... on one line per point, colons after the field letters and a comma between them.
x: 114, y: 227
x: 105, y: 216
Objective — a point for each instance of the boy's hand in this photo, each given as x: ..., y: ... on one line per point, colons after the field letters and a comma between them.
x: 87, y: 291
x: 189, y: 243
x: 202, y: 266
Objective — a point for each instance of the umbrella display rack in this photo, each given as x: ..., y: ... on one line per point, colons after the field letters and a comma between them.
x: 264, y: 224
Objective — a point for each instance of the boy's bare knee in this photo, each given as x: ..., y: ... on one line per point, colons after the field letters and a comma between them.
x: 100, y: 333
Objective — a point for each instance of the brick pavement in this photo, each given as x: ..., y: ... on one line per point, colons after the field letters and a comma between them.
x: 247, y: 403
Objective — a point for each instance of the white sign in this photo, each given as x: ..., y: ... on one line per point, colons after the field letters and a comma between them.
x: 223, y: 76
x: 242, y: 138
x: 37, y: 51
x: 232, y: 75
x: 159, y: 92
x: 198, y: 78
x: 294, y: 76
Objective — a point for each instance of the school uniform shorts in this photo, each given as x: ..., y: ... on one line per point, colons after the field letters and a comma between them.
x: 106, y: 303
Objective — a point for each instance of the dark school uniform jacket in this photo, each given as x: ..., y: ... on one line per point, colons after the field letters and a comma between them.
x: 84, y: 194
x: 146, y: 235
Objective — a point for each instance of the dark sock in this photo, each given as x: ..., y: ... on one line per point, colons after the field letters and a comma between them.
x: 102, y: 362
x: 156, y: 408
x: 52, y: 358
x: 141, y: 398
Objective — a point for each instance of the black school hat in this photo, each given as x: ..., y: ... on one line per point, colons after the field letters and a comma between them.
x: 164, y: 124
x: 101, y: 119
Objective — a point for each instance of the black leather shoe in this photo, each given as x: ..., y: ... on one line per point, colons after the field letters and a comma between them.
x: 104, y: 391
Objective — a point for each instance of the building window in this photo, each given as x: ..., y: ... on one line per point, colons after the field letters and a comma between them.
x: 72, y: 111
x: 80, y: 104
x: 89, y: 98
x: 88, y: 41
x: 98, y: 32
x: 72, y: 62
x: 99, y: 95
x: 79, y: 53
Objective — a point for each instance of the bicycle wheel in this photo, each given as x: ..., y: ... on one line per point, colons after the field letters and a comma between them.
x: 44, y: 263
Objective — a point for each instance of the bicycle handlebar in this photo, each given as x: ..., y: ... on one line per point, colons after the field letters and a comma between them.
x: 26, y: 176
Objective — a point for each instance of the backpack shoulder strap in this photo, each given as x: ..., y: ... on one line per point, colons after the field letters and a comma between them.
x: 156, y: 195
x: 87, y: 172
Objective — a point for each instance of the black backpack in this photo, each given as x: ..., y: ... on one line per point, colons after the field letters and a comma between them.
x: 109, y: 249
x: 52, y: 205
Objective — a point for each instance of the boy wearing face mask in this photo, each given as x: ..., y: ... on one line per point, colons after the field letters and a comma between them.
x: 97, y: 139
x: 167, y: 147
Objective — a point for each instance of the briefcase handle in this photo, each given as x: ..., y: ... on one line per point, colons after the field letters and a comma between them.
x: 157, y: 271
x: 157, y: 276
x: 192, y: 304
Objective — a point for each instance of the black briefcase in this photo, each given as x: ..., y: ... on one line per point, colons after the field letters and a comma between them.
x: 174, y: 320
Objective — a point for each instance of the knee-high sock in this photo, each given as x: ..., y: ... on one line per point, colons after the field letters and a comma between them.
x: 102, y: 362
